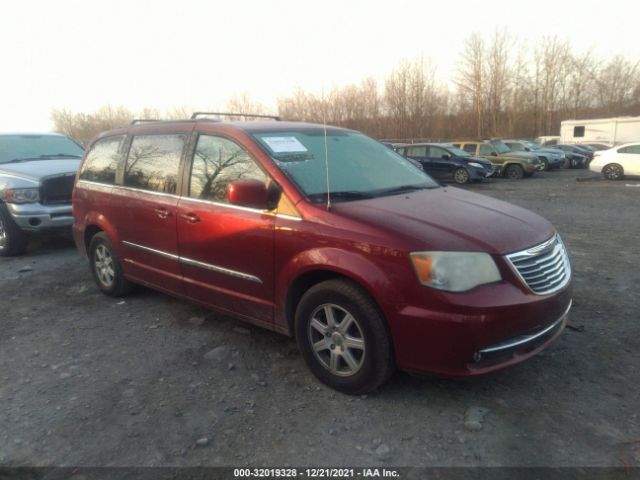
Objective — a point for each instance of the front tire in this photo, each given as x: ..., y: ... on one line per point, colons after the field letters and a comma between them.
x: 13, y: 241
x: 106, y: 268
x: 514, y: 172
x: 461, y: 176
x: 613, y: 171
x: 343, y: 337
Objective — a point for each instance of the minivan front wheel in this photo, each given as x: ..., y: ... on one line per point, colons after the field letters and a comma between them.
x: 343, y: 337
x: 106, y: 268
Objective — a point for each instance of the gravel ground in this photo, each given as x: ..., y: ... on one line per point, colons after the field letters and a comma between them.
x: 148, y: 380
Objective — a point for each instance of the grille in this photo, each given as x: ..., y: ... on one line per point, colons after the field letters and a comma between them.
x: 545, y: 268
x: 56, y: 190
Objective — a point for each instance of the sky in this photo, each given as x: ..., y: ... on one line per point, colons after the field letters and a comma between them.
x: 81, y: 55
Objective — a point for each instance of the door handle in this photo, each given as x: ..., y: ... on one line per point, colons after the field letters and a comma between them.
x: 162, y: 212
x: 190, y: 217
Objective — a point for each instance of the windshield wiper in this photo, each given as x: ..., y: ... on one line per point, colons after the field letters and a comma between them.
x: 401, y: 189
x: 54, y: 155
x: 344, y: 195
x: 18, y: 160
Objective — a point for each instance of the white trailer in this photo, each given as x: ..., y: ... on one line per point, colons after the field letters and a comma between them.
x: 613, y: 131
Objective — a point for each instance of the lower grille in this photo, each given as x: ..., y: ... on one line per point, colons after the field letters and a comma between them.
x: 545, y: 268
x: 57, y: 190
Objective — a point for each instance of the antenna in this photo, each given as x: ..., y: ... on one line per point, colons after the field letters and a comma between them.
x: 326, y: 151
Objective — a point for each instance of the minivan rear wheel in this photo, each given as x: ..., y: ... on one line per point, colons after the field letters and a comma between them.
x: 343, y: 337
x: 106, y: 268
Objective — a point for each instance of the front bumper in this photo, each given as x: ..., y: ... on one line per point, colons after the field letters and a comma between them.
x: 499, y: 326
x: 36, y: 217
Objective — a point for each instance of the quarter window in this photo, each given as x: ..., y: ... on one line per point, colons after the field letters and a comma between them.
x: 102, y: 161
x: 578, y: 131
x: 153, y: 162
x: 216, y: 163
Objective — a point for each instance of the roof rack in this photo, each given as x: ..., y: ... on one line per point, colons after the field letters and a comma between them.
x: 135, y: 121
x: 227, y: 114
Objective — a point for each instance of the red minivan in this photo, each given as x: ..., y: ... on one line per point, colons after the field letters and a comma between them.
x: 327, y: 235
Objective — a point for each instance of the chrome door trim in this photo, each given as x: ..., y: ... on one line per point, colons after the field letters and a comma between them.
x: 195, y: 263
x: 243, y: 209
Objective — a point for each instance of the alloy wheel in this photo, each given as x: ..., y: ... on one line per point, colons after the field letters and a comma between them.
x: 104, y: 266
x: 337, y: 340
x: 613, y: 172
x: 3, y: 235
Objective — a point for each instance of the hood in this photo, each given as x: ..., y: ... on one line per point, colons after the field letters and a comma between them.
x: 37, y: 169
x: 482, y: 161
x: 451, y: 219
x: 549, y: 150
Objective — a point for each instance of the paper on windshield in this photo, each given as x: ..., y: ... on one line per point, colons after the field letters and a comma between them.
x: 284, y: 144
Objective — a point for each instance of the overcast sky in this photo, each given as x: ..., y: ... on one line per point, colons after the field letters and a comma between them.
x: 81, y: 55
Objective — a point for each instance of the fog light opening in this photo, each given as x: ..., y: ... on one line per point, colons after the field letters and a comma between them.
x: 477, y: 357
x: 34, y: 222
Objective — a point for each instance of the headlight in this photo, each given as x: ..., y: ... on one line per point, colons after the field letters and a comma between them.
x: 22, y: 195
x: 454, y: 271
x: 475, y: 164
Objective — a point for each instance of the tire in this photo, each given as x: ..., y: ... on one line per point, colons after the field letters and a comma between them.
x: 514, y: 172
x: 353, y: 351
x: 546, y: 164
x: 106, y: 268
x: 574, y: 163
x: 461, y: 176
x: 13, y: 241
x: 613, y: 171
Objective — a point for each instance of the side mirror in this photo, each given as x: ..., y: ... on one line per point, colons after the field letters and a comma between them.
x: 446, y: 156
x: 253, y: 193
x: 527, y: 149
x: 494, y: 154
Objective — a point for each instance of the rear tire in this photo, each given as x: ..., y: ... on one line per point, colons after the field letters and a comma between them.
x: 613, y: 171
x: 514, y: 172
x: 343, y: 337
x: 13, y: 241
x: 106, y: 267
x: 461, y: 176
x: 545, y: 163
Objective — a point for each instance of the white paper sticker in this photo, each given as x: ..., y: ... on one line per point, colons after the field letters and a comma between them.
x: 284, y: 144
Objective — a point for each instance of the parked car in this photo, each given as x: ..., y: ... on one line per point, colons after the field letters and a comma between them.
x: 444, y: 161
x: 37, y: 171
x: 617, y: 162
x: 597, y: 146
x: 550, y: 157
x: 324, y: 234
x: 510, y: 164
x: 577, y: 156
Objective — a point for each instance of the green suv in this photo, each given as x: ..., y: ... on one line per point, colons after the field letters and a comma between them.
x: 507, y: 162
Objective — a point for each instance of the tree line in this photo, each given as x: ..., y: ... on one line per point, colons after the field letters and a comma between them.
x: 500, y: 88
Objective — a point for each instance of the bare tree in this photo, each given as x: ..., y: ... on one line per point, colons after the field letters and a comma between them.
x: 471, y: 77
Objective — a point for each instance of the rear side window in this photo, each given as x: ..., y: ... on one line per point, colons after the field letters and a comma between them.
x: 153, y: 162
x: 469, y: 147
x: 630, y: 149
x: 102, y: 161
x: 437, y: 152
x: 216, y: 163
x: 417, y: 151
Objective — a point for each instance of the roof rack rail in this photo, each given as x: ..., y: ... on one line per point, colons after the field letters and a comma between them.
x: 135, y: 121
x: 228, y: 114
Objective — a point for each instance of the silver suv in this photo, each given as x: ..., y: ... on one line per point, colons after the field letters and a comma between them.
x: 37, y: 172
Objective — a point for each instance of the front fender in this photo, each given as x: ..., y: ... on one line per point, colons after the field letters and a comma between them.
x: 353, y: 265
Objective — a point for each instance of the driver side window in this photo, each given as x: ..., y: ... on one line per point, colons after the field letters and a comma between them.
x: 216, y: 163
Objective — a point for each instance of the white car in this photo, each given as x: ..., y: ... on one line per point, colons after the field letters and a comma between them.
x: 617, y: 162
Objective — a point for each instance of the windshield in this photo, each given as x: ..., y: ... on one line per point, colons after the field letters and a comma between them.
x: 500, y: 146
x: 30, y: 147
x: 359, y: 167
x: 532, y: 145
x: 458, y: 152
